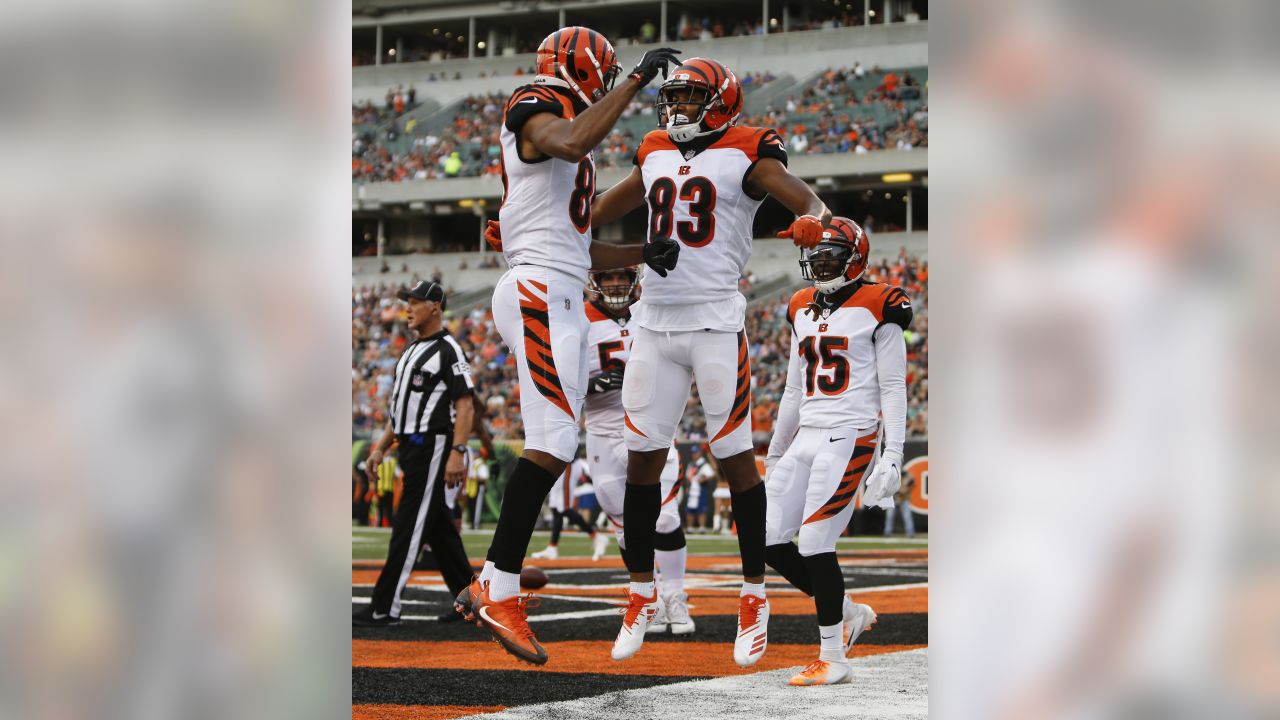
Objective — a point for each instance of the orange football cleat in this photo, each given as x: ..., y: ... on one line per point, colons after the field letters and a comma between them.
x: 507, y: 622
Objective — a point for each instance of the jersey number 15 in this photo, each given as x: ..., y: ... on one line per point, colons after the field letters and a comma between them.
x: 823, y: 350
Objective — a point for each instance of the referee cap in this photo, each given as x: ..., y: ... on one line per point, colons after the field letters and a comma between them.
x: 425, y: 290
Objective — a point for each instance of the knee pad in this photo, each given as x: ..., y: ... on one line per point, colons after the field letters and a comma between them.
x: 817, y: 538
x: 561, y: 437
x: 717, y: 387
x: 670, y: 535
x: 639, y: 384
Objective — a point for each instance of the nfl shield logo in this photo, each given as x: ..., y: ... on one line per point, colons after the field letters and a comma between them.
x: 418, y: 379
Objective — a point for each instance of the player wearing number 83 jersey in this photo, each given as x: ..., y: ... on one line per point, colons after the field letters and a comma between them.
x: 703, y: 179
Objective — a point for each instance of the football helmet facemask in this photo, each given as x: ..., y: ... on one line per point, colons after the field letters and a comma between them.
x: 839, y: 259
x: 709, y: 86
x: 617, y: 289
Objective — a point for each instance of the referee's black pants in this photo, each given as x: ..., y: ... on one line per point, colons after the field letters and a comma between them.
x: 422, y: 516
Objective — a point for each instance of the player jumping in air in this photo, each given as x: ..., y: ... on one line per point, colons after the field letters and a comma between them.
x: 848, y: 367
x: 548, y: 131
x: 703, y: 179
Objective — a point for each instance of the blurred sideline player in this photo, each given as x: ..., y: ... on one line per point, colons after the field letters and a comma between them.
x: 703, y: 179
x: 610, y: 336
x: 548, y: 131
x: 848, y: 366
x: 562, y: 501
x: 477, y: 480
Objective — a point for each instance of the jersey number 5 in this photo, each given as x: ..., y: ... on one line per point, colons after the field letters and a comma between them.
x: 584, y: 189
x: 825, y: 350
x: 701, y: 196
x: 607, y: 361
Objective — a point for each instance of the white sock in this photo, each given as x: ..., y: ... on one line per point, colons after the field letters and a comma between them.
x: 486, y: 573
x: 503, y: 585
x: 756, y: 589
x: 671, y: 563
x: 832, y: 642
x: 643, y: 589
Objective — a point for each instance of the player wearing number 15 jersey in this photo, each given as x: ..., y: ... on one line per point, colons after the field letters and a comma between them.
x: 703, y: 179
x: 847, y: 368
x: 548, y: 131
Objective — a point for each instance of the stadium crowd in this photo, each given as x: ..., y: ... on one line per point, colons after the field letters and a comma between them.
x: 379, y: 335
x: 826, y: 116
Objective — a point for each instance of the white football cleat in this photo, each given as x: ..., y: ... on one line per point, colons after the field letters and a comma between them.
x: 821, y: 672
x: 857, y: 618
x: 658, y: 624
x: 677, y: 612
x: 636, y: 617
x: 601, y: 546
x: 753, y: 630
x: 550, y: 553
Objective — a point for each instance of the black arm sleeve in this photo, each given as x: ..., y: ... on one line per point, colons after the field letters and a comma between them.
x: 772, y: 146
x: 897, y: 309
x: 527, y: 102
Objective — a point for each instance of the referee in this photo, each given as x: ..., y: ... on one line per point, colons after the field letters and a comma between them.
x: 431, y: 417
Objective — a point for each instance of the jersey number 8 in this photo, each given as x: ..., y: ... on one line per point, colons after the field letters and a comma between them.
x: 584, y: 189
x: 701, y: 196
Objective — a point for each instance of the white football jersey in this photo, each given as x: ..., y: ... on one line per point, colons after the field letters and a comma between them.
x: 546, y: 203
x: 608, y: 346
x: 833, y: 355
x: 697, y: 198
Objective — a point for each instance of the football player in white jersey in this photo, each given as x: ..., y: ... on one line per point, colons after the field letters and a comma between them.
x: 561, y: 500
x: 847, y: 369
x: 703, y: 179
x: 548, y: 131
x: 610, y: 335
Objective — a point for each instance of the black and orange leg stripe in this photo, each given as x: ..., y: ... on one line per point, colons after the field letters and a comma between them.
x: 863, y: 450
x: 537, y: 343
x: 742, y: 392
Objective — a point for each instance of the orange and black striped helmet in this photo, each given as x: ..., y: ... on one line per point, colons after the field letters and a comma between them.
x: 711, y: 86
x: 839, y: 258
x: 580, y: 59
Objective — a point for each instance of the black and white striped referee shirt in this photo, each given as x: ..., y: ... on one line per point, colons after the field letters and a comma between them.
x: 430, y: 376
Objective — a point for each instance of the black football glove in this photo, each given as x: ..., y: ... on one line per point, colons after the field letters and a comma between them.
x: 661, y: 254
x: 605, y: 382
x: 653, y: 62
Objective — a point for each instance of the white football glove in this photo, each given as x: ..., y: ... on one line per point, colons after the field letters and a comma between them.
x: 883, y: 483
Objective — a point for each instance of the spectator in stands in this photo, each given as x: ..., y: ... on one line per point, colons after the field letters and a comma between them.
x: 648, y: 32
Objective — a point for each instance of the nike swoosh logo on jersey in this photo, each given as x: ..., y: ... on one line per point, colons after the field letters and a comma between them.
x: 905, y: 304
x: 485, y: 614
x: 532, y: 100
x: 835, y: 439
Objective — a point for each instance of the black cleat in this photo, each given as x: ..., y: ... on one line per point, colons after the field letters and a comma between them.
x: 366, y: 617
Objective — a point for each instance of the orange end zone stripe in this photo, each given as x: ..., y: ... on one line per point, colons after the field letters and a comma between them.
x: 664, y: 659
x: 419, y: 712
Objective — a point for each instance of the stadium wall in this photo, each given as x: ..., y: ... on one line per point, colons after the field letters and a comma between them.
x: 370, y: 196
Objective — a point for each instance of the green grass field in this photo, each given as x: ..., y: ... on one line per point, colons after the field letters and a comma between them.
x: 371, y: 543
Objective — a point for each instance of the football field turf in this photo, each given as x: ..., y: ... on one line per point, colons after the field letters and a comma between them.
x: 422, y: 668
